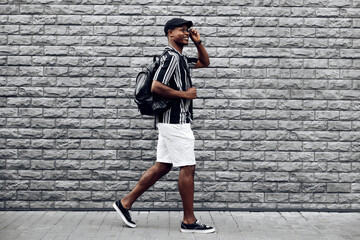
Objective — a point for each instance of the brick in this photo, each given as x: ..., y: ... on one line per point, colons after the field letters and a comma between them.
x: 227, y: 155
x: 43, y: 185
x: 78, y: 195
x: 218, y: 145
x: 92, y: 144
x: 227, y: 176
x: 66, y: 185
x: 9, y: 112
x: 264, y: 187
x: 228, y: 197
x: 140, y: 165
x: 53, y: 196
x: 214, y: 187
x: 29, y: 195
x: 17, y: 184
x: 114, y: 185
x: 252, y: 197
x: 338, y: 187
x: 276, y: 197
x: 18, y: 164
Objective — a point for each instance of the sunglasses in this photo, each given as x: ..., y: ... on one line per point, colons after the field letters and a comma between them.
x: 185, y: 30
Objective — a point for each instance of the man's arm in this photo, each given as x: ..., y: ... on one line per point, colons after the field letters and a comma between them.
x: 167, y: 92
x: 203, y: 57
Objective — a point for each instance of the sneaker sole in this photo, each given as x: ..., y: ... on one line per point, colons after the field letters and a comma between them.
x: 123, y: 217
x: 197, y: 231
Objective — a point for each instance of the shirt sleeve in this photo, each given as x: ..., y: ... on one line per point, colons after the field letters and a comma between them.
x: 191, y: 61
x: 166, y: 69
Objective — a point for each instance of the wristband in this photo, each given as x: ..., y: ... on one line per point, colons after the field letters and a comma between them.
x: 198, y: 43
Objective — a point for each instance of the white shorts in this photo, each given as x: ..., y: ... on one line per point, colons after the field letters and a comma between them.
x: 176, y: 144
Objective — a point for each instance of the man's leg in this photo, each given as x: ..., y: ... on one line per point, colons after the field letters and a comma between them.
x: 148, y: 179
x: 186, y: 189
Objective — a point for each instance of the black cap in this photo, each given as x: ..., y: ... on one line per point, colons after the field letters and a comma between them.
x: 176, y: 22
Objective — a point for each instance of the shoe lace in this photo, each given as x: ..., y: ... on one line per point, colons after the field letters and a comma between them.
x: 128, y: 212
x: 200, y: 223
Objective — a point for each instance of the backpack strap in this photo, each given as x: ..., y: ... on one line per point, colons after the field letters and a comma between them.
x: 154, y: 60
x: 155, y: 120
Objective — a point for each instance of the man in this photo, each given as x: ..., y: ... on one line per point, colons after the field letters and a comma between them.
x: 176, y: 140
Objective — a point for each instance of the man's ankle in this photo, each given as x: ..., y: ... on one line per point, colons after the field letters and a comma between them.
x: 189, y: 220
x: 125, y: 204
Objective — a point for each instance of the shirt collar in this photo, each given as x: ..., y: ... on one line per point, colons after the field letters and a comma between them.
x: 173, y: 49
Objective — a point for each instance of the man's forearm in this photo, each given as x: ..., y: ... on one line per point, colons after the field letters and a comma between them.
x: 203, y: 56
x: 167, y: 92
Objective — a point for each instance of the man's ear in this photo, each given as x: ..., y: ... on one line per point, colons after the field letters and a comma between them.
x: 170, y: 33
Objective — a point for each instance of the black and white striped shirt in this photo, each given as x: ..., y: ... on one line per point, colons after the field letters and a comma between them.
x: 174, y: 71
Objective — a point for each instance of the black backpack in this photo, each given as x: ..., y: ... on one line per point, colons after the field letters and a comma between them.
x: 148, y: 103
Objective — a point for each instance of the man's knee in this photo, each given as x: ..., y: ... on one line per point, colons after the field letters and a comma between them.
x: 162, y: 168
x: 188, y: 170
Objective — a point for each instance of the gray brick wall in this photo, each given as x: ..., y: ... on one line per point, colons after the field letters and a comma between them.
x: 277, y: 117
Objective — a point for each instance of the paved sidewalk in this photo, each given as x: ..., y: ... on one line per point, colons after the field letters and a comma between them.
x: 166, y: 225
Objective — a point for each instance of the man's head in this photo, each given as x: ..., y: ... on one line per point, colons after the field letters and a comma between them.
x: 177, y: 30
x: 176, y: 22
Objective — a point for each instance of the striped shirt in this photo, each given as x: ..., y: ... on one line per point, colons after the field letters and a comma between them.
x: 174, y: 71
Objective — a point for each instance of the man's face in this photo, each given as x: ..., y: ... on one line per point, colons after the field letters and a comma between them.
x: 180, y: 35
